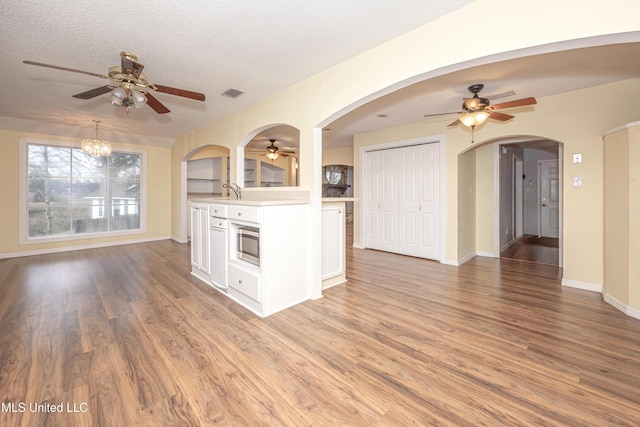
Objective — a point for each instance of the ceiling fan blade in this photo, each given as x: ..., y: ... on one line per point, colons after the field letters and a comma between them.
x: 40, y: 64
x: 454, y: 123
x: 129, y: 66
x: 511, y: 104
x: 180, y: 92
x: 499, y: 116
x: 93, y: 92
x: 441, y: 114
x: 157, y: 106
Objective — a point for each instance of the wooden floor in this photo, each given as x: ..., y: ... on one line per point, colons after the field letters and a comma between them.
x: 129, y: 336
x: 543, y: 250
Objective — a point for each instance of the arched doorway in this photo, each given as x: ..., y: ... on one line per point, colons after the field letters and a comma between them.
x: 203, y: 172
x: 515, y: 199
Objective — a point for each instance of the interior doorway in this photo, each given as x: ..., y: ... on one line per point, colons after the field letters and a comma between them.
x: 530, y: 201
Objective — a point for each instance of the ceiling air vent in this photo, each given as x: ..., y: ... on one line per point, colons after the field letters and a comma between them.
x: 232, y: 93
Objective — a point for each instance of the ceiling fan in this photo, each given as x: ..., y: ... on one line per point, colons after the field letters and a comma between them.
x: 477, y: 110
x: 273, y: 152
x: 129, y: 86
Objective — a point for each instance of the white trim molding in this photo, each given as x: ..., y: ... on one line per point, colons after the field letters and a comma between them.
x: 582, y: 285
x: 629, y: 311
x: 81, y: 247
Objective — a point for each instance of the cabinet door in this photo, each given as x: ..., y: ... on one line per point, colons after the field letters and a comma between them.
x: 219, y: 257
x: 333, y: 242
x: 205, y: 244
x: 195, y: 241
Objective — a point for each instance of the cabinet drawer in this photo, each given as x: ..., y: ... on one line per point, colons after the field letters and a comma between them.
x: 218, y: 222
x: 244, y: 213
x: 245, y: 282
x: 218, y: 211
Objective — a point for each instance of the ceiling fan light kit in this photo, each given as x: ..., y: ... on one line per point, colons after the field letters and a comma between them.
x: 272, y: 151
x: 129, y: 87
x: 96, y: 147
x: 476, y: 110
x: 474, y: 119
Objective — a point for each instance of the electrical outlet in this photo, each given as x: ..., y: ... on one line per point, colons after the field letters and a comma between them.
x: 577, y: 157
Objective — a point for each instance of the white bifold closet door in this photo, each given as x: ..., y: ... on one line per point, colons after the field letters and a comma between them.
x: 402, y: 200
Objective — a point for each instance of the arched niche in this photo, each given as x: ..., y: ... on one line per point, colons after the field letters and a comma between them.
x: 207, y: 169
x: 259, y: 168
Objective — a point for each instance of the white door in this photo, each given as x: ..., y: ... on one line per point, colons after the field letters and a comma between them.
x: 418, y: 185
x: 381, y: 200
x: 549, y: 198
x: 402, y: 200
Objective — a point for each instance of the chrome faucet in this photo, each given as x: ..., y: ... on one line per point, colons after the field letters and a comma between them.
x: 236, y: 190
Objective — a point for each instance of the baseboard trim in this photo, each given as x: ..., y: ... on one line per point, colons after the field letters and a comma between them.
x: 358, y: 246
x: 179, y: 239
x: 81, y: 247
x: 486, y: 254
x: 616, y: 303
x: 466, y: 258
x: 582, y: 285
x: 451, y: 262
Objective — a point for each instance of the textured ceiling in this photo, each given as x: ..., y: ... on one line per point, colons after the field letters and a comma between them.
x: 207, y: 46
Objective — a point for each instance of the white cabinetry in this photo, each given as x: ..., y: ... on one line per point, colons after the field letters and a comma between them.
x: 219, y: 238
x: 333, y: 244
x: 200, y: 243
x: 283, y: 277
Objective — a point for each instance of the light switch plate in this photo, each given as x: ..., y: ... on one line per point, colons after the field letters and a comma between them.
x: 577, y: 181
x: 577, y: 157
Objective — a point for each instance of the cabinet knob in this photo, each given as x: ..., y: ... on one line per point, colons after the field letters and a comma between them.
x: 240, y: 281
x: 239, y: 213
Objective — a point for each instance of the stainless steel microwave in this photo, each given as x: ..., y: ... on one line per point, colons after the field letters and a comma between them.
x: 248, y: 244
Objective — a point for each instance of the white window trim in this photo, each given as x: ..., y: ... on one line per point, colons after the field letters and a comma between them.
x: 23, y: 219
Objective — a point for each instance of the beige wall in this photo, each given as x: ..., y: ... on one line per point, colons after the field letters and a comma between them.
x: 158, y: 198
x: 486, y: 207
x: 211, y: 151
x: 616, y: 215
x: 634, y: 212
x: 338, y: 156
x: 622, y: 210
x: 466, y: 205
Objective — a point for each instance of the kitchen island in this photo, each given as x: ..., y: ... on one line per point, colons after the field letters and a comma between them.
x: 256, y: 252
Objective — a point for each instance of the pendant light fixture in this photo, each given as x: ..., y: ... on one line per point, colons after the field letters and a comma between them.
x: 96, y: 147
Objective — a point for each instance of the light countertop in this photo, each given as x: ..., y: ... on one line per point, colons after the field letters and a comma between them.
x: 338, y: 199
x: 247, y: 202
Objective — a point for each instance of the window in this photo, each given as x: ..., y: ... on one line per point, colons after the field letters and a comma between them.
x: 71, y: 194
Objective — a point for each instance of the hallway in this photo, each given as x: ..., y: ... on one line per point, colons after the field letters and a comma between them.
x: 542, y: 250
